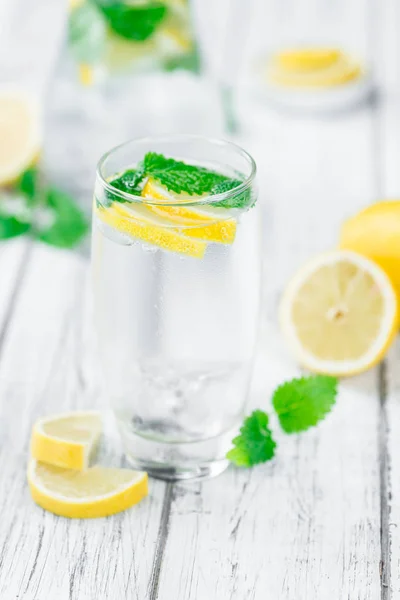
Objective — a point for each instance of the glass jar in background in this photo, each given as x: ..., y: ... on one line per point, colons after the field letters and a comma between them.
x: 126, y: 70
x: 108, y: 39
x: 176, y: 306
x: 310, y: 54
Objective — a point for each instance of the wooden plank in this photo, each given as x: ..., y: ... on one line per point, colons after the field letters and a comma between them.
x: 307, y: 525
x: 13, y: 256
x: 43, y: 556
x: 387, y: 140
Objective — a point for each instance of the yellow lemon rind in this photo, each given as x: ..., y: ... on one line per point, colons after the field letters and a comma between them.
x: 95, y: 507
x: 60, y: 452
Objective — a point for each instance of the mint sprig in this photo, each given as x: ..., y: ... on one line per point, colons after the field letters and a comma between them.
x: 182, y: 178
x: 300, y: 404
x: 49, y: 214
x: 255, y: 443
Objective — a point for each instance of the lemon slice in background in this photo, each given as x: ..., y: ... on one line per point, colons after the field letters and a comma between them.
x: 307, y: 59
x: 20, y: 133
x: 313, y: 68
x: 94, y: 492
x: 67, y: 440
x: 138, y: 224
x: 205, y: 223
x: 339, y: 314
x: 375, y: 233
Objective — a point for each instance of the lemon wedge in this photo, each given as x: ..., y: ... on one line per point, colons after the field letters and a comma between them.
x: 313, y: 69
x: 20, y: 135
x: 339, y: 314
x: 205, y: 223
x: 67, y: 440
x: 94, y: 492
x: 139, y: 224
x: 375, y: 233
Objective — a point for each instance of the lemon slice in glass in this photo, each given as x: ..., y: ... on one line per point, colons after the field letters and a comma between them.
x: 138, y: 223
x: 204, y: 222
x: 339, y: 314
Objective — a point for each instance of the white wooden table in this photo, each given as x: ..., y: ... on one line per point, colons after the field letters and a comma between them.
x: 322, y: 520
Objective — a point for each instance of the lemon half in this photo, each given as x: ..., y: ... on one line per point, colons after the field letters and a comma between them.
x: 339, y: 314
x: 67, y: 440
x: 20, y: 133
x: 95, y: 492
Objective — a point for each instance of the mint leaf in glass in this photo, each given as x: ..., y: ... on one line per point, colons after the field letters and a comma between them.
x: 87, y: 33
x: 241, y: 200
x: 128, y: 182
x: 133, y: 22
x: 304, y: 402
x: 255, y: 444
x: 69, y: 224
x: 180, y: 177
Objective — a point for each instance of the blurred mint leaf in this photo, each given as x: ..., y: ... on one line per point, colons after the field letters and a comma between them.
x: 70, y: 224
x: 11, y: 226
x: 133, y: 22
x: 27, y: 184
x: 190, y: 61
x: 87, y: 33
x: 255, y: 444
x: 302, y: 403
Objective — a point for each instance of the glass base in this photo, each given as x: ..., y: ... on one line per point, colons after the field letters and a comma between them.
x: 177, y: 461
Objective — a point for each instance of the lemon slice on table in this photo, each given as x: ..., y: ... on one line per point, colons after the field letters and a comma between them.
x: 339, y: 314
x: 313, y: 68
x: 205, y: 223
x: 67, y: 440
x: 94, y: 492
x: 375, y: 233
x: 139, y: 224
x: 20, y: 134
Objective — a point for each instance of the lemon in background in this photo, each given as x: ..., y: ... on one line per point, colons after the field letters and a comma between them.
x: 20, y: 133
x: 312, y: 67
x: 375, y: 233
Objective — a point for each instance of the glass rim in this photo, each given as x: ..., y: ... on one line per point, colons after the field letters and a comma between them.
x: 186, y: 200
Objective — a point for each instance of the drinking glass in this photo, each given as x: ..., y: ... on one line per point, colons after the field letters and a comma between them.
x: 176, y: 332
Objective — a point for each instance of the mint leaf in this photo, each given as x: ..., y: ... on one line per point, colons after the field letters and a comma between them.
x: 304, y: 402
x: 27, y: 184
x: 70, y: 224
x: 133, y: 22
x: 255, y: 443
x: 240, y: 200
x: 190, y: 61
x: 12, y: 226
x: 178, y: 176
x: 128, y: 182
x: 87, y: 33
